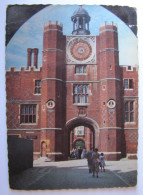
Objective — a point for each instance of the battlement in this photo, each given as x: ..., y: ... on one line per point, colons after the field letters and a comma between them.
x: 130, y: 68
x: 24, y: 69
x: 54, y: 26
x: 108, y: 27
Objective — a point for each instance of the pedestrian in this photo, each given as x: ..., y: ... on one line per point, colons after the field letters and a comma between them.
x: 76, y: 153
x: 89, y: 159
x: 95, y: 162
x: 102, y: 162
x: 79, y: 152
x: 83, y: 155
x: 72, y: 155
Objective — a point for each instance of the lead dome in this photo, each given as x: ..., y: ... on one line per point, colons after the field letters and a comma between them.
x: 80, y: 21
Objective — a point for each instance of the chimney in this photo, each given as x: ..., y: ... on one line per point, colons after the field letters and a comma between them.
x: 35, y: 51
x: 29, y: 53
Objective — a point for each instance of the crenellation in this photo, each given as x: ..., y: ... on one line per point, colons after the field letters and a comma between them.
x: 11, y: 69
x: 129, y: 68
x: 56, y: 22
x: 49, y: 22
x: 61, y: 24
x: 24, y: 69
x: 53, y: 26
x: 108, y: 27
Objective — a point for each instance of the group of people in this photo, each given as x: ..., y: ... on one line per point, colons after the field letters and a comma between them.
x: 78, y: 153
x: 95, y: 160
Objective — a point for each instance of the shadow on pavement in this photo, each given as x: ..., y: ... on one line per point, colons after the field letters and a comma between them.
x: 77, y: 177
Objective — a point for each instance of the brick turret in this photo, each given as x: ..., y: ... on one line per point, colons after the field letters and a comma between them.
x: 110, y: 91
x: 52, y: 98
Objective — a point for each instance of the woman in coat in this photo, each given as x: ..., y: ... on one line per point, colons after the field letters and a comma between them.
x: 95, y: 162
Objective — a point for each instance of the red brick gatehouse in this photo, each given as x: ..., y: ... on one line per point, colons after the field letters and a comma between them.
x: 80, y: 93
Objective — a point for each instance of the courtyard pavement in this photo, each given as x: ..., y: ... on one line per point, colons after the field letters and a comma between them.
x: 73, y: 174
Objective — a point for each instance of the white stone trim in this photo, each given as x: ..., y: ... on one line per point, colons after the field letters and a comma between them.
x: 24, y: 101
x: 52, y: 49
x: 131, y: 97
x: 53, y: 29
x: 106, y: 79
x: 54, y: 153
x: 51, y: 128
x: 131, y: 154
x: 34, y: 129
x: 82, y: 81
x: 111, y: 152
x: 108, y: 30
x: 100, y: 81
x: 110, y: 128
x: 52, y: 79
x: 24, y: 129
x: 109, y: 49
x: 25, y: 69
x: 130, y: 128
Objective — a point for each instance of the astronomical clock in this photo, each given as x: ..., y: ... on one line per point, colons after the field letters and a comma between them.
x: 81, y: 50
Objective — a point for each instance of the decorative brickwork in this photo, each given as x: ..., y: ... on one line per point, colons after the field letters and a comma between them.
x: 111, y: 117
x: 133, y: 137
x: 50, y: 119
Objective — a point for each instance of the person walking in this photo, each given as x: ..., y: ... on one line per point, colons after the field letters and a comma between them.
x: 76, y: 153
x: 83, y: 155
x: 79, y: 152
x: 95, y: 162
x: 102, y: 162
x: 89, y: 159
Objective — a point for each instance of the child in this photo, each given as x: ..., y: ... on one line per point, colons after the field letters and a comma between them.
x: 102, y: 162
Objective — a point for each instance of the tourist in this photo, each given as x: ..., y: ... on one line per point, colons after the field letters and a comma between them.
x: 95, y: 162
x: 79, y: 152
x: 76, y: 153
x: 89, y: 159
x: 102, y: 162
x: 83, y: 155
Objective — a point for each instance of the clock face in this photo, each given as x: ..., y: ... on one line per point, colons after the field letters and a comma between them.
x: 81, y: 50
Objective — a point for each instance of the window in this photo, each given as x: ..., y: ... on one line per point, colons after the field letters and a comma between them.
x: 80, y: 69
x: 37, y: 86
x: 80, y: 94
x: 128, y: 83
x: 28, y: 113
x: 129, y: 111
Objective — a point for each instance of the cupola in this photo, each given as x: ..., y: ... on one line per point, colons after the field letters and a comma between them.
x: 80, y: 21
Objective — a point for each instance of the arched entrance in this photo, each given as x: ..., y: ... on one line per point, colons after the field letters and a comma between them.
x: 89, y: 125
x: 43, y: 149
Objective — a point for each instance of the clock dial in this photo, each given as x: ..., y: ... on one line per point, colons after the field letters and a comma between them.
x: 81, y: 50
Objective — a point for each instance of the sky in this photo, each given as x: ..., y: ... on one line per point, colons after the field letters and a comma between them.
x: 30, y: 35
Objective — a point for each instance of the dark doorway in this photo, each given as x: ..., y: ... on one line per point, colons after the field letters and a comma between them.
x: 80, y: 144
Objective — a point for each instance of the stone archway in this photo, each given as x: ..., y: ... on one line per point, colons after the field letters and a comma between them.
x: 81, y: 121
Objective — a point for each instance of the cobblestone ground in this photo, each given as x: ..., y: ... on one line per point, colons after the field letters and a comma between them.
x: 73, y: 174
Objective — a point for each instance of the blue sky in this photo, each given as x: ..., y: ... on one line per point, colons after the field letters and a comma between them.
x: 30, y: 35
